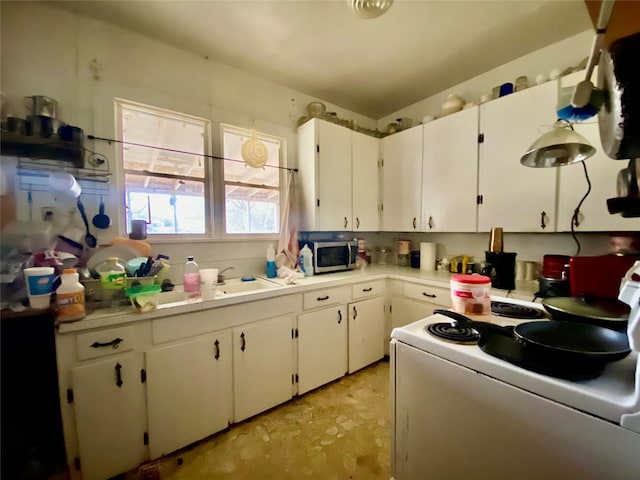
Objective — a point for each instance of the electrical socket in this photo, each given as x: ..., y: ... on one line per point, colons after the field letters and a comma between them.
x: 49, y: 214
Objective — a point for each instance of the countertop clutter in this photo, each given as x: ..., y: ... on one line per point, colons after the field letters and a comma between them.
x: 173, y: 303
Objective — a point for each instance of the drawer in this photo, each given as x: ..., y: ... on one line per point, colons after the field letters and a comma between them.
x: 325, y: 298
x: 427, y: 293
x: 107, y: 342
x: 367, y: 289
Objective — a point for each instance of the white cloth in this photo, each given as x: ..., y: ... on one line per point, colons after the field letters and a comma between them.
x: 287, y: 254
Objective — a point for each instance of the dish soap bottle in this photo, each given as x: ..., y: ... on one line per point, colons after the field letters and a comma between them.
x: 70, y: 297
x: 306, y: 261
x: 271, y: 262
x: 191, y: 280
x: 112, y: 274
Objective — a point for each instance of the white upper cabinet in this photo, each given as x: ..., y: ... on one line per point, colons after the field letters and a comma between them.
x: 602, y: 171
x: 517, y: 198
x: 402, y: 180
x: 366, y: 183
x: 324, y: 160
x: 450, y: 173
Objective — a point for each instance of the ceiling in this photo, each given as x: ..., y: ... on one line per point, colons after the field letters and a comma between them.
x: 371, y: 66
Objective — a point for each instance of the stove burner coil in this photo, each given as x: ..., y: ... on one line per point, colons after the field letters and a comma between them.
x: 453, y: 333
x: 512, y: 310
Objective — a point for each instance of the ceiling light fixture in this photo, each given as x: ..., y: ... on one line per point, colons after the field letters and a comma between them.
x: 369, y: 8
x: 560, y: 146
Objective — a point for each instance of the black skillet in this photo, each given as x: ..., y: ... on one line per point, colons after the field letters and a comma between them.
x: 560, y: 349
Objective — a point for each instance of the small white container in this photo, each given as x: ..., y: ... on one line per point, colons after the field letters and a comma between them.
x: 471, y: 294
x: 70, y: 297
x: 39, y: 282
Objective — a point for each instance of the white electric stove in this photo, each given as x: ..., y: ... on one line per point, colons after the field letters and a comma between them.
x: 459, y: 412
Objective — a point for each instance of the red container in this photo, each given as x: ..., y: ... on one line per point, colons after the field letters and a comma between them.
x: 555, y: 266
x: 599, y: 276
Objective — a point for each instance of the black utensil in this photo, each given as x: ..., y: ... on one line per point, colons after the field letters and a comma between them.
x: 89, y: 239
x: 101, y: 220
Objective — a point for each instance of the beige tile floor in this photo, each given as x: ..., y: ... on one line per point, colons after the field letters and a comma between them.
x: 337, y: 432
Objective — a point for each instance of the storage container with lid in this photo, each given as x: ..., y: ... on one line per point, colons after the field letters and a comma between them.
x: 471, y: 294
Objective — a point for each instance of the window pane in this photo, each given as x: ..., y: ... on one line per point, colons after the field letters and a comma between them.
x: 239, y: 172
x: 252, y: 210
x: 173, y: 206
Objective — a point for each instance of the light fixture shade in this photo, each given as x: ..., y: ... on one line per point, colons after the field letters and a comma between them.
x: 369, y: 8
x: 558, y: 147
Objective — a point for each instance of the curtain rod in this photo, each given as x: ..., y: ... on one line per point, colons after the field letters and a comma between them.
x: 110, y: 140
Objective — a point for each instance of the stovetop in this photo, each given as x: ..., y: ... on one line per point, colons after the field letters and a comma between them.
x: 607, y: 396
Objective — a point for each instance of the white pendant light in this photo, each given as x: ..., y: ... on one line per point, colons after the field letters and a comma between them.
x: 558, y: 147
x: 369, y: 8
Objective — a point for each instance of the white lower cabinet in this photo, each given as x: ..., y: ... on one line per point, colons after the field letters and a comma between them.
x: 189, y: 391
x: 366, y: 332
x: 412, y: 301
x: 263, y: 365
x: 322, y: 347
x: 110, y: 415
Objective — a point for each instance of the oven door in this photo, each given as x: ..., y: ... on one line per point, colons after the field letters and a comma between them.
x: 334, y: 256
x: 451, y: 422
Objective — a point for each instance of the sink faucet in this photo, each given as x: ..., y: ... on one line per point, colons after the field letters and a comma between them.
x: 221, y: 276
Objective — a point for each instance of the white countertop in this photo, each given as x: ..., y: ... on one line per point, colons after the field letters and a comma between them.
x: 125, y: 314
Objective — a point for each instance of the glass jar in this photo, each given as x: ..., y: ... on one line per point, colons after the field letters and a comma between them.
x: 383, y: 255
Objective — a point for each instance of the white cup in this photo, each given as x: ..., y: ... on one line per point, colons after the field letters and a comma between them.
x: 39, y: 282
x: 208, y: 281
x: 65, y: 182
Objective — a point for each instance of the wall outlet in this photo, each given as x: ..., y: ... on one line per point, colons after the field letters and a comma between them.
x: 49, y: 214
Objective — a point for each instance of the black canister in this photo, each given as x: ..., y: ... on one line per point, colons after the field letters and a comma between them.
x: 415, y: 259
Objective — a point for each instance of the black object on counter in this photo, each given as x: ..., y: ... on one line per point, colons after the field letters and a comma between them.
x: 415, y: 259
x: 501, y: 269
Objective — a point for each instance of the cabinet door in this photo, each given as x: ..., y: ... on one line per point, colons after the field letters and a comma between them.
x: 322, y: 347
x: 366, y: 333
x: 450, y: 173
x: 603, y: 172
x: 262, y: 366
x: 111, y: 420
x: 402, y: 180
x: 366, y: 183
x: 334, y: 177
x: 189, y: 392
x: 515, y: 197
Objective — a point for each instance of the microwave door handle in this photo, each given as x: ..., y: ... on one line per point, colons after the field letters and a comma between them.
x: 348, y: 255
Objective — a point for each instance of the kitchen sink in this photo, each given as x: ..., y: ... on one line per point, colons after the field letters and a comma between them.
x: 232, y: 286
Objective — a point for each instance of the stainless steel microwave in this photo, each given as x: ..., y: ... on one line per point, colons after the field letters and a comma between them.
x: 334, y: 256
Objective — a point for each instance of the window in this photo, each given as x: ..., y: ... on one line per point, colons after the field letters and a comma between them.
x: 164, y: 181
x: 169, y: 180
x: 252, y: 195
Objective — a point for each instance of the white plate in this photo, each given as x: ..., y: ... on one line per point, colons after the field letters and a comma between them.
x: 122, y: 252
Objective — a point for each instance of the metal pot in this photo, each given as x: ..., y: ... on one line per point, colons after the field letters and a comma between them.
x: 40, y: 105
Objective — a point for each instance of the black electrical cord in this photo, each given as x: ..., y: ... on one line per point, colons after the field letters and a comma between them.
x: 575, y: 222
x: 110, y: 140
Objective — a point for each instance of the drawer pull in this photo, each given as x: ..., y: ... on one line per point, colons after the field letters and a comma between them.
x: 217, y: 348
x: 119, y: 381
x: 244, y: 342
x: 367, y: 289
x: 355, y: 313
x: 322, y: 299
x: 115, y: 343
x: 430, y: 295
x: 339, y: 316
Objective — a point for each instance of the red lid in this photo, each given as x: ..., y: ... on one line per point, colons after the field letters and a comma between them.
x: 474, y: 278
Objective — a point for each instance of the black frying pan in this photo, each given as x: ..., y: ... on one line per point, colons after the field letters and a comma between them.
x: 571, y: 341
x: 595, y: 311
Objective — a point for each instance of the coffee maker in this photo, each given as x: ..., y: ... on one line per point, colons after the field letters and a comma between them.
x: 501, y: 266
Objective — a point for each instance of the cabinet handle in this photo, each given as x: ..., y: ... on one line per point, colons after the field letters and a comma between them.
x: 542, y: 223
x: 430, y: 295
x: 119, y: 381
x: 357, y: 222
x: 414, y: 223
x: 345, y: 222
x: 367, y: 289
x: 244, y: 342
x: 355, y: 312
x: 430, y: 222
x: 217, y: 349
x: 322, y: 299
x: 115, y: 343
x: 339, y: 316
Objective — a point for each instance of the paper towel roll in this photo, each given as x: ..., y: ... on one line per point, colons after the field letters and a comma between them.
x: 427, y: 256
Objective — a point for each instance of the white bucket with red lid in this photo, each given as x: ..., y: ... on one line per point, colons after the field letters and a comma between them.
x: 471, y: 294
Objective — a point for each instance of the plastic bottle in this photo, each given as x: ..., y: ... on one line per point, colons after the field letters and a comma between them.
x: 112, y: 274
x: 191, y: 280
x: 306, y: 261
x: 70, y: 297
x: 271, y: 262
